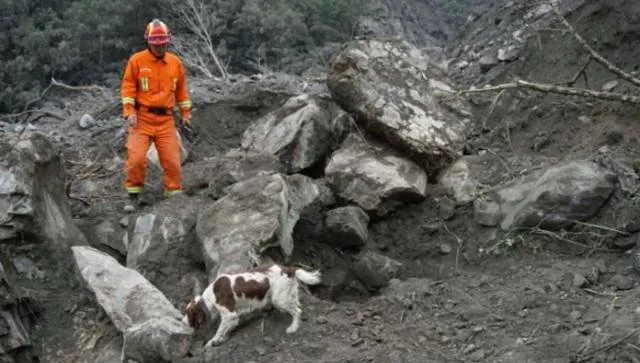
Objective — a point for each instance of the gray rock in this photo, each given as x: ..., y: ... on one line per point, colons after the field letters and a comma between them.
x: 109, y: 233
x: 110, y: 353
x: 150, y: 323
x: 564, y: 193
x: 486, y: 62
x: 23, y: 265
x: 445, y: 248
x: 86, y: 121
x: 550, y: 199
x: 508, y: 54
x: 15, y: 331
x: 470, y: 176
x: 346, y: 227
x: 162, y: 244
x: 487, y: 212
x: 628, y: 179
x: 221, y: 171
x: 374, y: 177
x: 609, y: 86
x: 156, y: 340
x: 375, y: 270
x: 622, y: 282
x: 579, y: 280
x: 336, y: 274
x: 300, y: 133
x: 490, y: 209
x: 395, y: 92
x: 447, y: 208
x: 255, y: 214
x: 32, y: 193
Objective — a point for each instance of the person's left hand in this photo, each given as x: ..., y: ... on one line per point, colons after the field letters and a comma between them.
x: 185, y: 129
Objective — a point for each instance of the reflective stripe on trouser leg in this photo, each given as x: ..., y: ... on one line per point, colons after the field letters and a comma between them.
x: 166, y: 142
x: 138, y: 141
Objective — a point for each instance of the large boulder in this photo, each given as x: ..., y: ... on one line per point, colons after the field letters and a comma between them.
x: 255, y: 214
x: 395, y: 92
x: 375, y: 270
x: 16, y: 309
x: 346, y: 227
x: 554, y: 198
x: 162, y: 244
x: 107, y: 231
x: 218, y: 172
x: 301, y: 133
x: 136, y: 308
x: 32, y: 193
x: 374, y: 177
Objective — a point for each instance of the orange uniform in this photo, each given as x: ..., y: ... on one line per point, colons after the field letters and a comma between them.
x: 151, y: 87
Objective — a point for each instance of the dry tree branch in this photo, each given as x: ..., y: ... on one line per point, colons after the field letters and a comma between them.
x: 595, y: 55
x: 608, y: 346
x: 582, y: 72
x: 597, y: 226
x: 544, y: 232
x: 53, y: 83
x: 193, y: 13
x: 460, y: 243
x: 572, y: 91
x: 192, y: 57
x: 44, y: 112
x: 550, y: 88
x: 494, y: 103
x: 91, y: 87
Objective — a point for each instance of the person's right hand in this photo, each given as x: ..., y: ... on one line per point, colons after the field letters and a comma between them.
x: 132, y: 120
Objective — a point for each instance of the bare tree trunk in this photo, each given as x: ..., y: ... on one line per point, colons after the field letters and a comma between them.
x: 193, y: 14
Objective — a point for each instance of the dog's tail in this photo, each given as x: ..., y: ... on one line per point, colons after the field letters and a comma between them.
x: 309, y: 278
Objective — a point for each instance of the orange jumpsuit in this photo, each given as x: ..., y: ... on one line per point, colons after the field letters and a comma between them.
x: 151, y: 87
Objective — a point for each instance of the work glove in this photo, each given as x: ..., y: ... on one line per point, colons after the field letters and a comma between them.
x: 186, y: 131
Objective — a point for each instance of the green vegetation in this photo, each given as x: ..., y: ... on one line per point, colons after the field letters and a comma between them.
x: 89, y: 41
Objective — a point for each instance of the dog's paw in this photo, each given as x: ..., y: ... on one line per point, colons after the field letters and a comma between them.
x: 292, y: 329
x: 214, y: 342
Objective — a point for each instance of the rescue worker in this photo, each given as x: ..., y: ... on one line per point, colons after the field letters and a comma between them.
x: 154, y: 82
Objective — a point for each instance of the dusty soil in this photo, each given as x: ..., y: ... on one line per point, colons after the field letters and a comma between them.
x: 479, y: 296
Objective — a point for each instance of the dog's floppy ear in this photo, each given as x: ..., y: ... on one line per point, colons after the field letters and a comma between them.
x: 196, y: 314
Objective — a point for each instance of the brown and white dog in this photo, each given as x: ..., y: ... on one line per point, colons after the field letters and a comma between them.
x: 233, y: 295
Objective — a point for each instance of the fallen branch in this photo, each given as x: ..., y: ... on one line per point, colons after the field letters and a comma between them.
x: 492, y: 108
x: 607, y: 347
x: 44, y: 112
x: 597, y: 57
x: 601, y: 324
x: 92, y: 87
x: 597, y: 226
x: 550, y: 88
x: 581, y: 72
x: 598, y: 293
x: 53, y: 83
x: 544, y: 232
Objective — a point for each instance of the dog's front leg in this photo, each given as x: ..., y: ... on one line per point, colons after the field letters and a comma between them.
x: 228, y: 321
